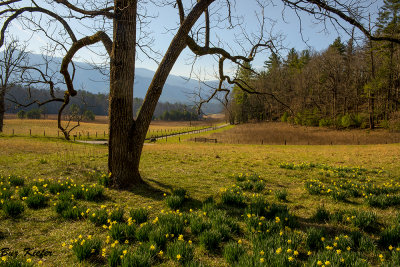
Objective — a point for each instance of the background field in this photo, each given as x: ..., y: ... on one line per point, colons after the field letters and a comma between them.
x: 275, y: 133
x: 48, y: 127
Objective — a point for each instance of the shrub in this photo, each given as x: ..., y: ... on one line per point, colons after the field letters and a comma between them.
x: 94, y: 193
x: 180, y: 251
x: 325, y: 123
x: 137, y: 259
x: 174, y: 202
x: 21, y: 114
x: 221, y: 218
x: 104, y: 180
x: 321, y: 215
x: 74, y: 193
x: 143, y: 231
x: 57, y: 187
x: 284, y: 117
x: 16, y: 262
x: 85, y: 249
x: 352, y: 120
x: 340, y: 195
x: 117, y: 215
x: 257, y: 206
x: 62, y: 205
x: 16, y: 180
x: 199, y: 225
x: 139, y: 215
x: 314, y: 239
x: 313, y: 187
x: 232, y: 252
x: 157, y: 236
x: 13, y: 208
x: 37, y: 201
x: 364, y: 220
x: 5, y: 193
x: 98, y: 217
x: 123, y: 232
x: 233, y: 197
x: 281, y: 195
x: 180, y: 192
x: 172, y: 223
x: 390, y: 236
x: 89, y: 115
x: 210, y: 239
x: 69, y: 210
x: 224, y: 230
x: 383, y: 201
x: 259, y: 186
x: 114, y: 259
x: 34, y: 114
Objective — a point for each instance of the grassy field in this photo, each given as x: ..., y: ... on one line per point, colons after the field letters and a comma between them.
x: 274, y: 133
x: 97, y: 129
x: 245, y: 205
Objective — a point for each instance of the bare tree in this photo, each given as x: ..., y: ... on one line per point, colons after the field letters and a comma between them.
x: 12, y: 58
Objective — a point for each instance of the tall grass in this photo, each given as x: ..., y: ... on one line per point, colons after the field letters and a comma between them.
x: 283, y: 133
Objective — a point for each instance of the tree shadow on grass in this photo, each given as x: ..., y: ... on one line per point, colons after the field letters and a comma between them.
x: 147, y: 190
x: 168, y: 188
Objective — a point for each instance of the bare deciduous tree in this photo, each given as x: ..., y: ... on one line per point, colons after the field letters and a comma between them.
x: 11, y: 60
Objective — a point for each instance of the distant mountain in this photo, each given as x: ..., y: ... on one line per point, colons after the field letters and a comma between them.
x: 176, y: 89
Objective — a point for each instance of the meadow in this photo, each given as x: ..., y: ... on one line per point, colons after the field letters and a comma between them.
x: 275, y: 133
x: 97, y: 129
x: 203, y: 204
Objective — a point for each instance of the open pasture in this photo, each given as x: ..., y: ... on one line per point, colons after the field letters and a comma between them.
x: 97, y: 129
x: 203, y: 205
x: 275, y: 133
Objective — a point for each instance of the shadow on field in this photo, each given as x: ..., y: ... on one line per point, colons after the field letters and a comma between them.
x: 189, y: 203
x: 147, y: 190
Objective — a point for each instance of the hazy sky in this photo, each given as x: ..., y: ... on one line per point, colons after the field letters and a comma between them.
x: 285, y: 24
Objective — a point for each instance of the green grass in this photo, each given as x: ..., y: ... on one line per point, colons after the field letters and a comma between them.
x: 204, y: 170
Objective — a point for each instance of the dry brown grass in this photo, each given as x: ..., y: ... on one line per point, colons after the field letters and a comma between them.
x: 279, y: 133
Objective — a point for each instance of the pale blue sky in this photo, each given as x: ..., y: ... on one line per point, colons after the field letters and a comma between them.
x: 286, y: 24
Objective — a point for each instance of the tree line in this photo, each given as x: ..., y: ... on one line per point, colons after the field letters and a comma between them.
x: 86, y: 103
x: 345, y: 85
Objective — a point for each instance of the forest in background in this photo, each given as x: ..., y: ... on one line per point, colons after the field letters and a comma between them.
x: 96, y: 103
x: 347, y: 85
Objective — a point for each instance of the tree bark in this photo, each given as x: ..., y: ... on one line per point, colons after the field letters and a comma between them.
x: 127, y: 135
x: 2, y: 109
x: 124, y: 150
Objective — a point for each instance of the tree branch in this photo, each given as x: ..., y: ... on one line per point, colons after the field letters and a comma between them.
x: 88, y: 40
x: 31, y: 10
x: 102, y: 12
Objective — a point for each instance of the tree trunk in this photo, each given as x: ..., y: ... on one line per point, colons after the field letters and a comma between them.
x: 127, y: 136
x: 124, y: 151
x: 2, y: 110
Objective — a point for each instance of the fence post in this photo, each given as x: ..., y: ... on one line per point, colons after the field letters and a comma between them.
x: 30, y: 132
x: 96, y: 134
x: 179, y: 138
x: 87, y: 134
x: 285, y: 142
x: 13, y: 132
x: 262, y: 141
x: 104, y: 133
